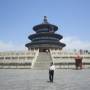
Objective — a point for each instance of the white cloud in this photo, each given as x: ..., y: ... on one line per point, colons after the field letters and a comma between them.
x: 75, y: 43
x: 7, y: 46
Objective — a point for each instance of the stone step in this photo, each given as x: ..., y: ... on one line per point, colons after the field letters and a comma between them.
x: 43, y: 61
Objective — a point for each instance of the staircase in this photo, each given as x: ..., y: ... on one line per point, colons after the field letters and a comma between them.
x: 43, y: 61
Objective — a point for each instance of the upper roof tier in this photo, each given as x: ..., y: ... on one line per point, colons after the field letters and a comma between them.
x: 45, y: 25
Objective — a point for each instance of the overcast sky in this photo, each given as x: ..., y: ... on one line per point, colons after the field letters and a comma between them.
x: 17, y: 17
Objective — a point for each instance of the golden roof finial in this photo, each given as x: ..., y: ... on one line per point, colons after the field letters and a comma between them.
x: 45, y: 19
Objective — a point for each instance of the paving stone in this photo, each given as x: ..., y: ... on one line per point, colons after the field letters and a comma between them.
x: 26, y: 79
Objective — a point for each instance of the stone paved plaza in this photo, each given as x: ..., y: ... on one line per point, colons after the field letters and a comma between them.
x: 26, y: 79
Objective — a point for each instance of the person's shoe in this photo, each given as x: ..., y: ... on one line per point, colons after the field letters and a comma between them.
x: 52, y: 81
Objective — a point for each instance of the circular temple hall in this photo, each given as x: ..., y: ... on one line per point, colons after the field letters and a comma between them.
x: 45, y: 37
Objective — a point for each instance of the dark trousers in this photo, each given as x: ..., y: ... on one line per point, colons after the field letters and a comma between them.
x: 51, y: 75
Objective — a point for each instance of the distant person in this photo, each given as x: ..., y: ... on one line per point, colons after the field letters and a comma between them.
x: 51, y: 71
x: 78, y: 62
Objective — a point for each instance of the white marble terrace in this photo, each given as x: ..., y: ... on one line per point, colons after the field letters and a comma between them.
x: 66, y: 59
x: 18, y: 59
x: 27, y: 59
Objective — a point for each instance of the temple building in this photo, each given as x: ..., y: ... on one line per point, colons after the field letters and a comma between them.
x: 36, y: 57
x: 45, y: 37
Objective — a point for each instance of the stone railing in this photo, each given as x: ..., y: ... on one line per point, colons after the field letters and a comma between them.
x: 17, y: 59
x: 64, y: 59
x: 34, y: 60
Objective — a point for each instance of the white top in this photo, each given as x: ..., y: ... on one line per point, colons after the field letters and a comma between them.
x: 52, y: 67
